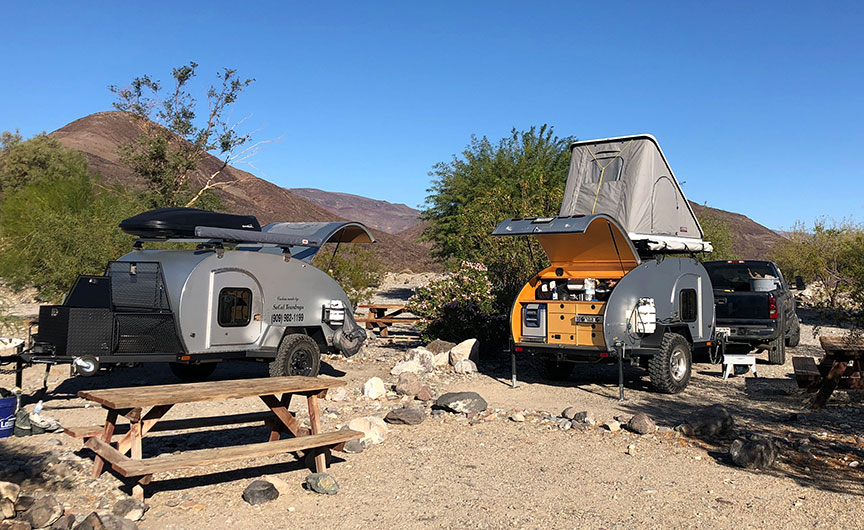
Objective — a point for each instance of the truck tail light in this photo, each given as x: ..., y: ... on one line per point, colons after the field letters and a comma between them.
x: 772, y: 307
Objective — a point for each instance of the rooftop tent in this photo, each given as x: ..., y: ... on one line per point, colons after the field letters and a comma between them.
x: 629, y: 179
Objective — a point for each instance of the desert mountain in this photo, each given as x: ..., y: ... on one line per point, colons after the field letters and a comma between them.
x: 99, y: 136
x: 752, y: 240
x: 383, y: 215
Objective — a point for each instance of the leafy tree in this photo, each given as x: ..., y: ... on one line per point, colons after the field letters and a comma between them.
x: 355, y: 268
x: 56, y: 221
x: 173, y: 139
x: 520, y: 175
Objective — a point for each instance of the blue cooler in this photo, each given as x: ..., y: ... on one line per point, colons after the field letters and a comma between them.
x: 7, y: 416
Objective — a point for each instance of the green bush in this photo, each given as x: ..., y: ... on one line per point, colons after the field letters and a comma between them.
x: 354, y: 267
x: 460, y: 306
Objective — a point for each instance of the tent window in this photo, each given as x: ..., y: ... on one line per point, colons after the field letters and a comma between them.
x: 235, y: 305
x: 611, y: 161
x: 689, y: 308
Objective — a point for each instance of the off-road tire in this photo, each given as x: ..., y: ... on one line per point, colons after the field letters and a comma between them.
x: 777, y: 350
x: 794, y: 337
x: 553, y: 370
x: 666, y: 378
x: 191, y: 373
x: 298, y: 354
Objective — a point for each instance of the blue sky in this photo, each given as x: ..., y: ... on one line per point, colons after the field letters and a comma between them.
x: 759, y: 106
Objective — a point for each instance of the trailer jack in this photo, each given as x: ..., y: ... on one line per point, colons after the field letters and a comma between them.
x: 619, y: 347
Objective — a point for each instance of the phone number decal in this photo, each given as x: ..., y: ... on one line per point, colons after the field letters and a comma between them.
x: 286, y: 318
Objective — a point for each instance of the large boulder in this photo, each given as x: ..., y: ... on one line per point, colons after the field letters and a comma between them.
x: 412, y: 366
x: 465, y: 350
x: 466, y: 402
x: 373, y: 428
x: 44, y: 512
x: 465, y: 367
x: 753, y: 454
x: 440, y: 346
x: 408, y: 384
x: 406, y: 416
x: 9, y: 490
x: 374, y: 388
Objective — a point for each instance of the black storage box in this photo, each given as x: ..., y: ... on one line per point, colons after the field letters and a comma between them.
x: 76, y: 330
x: 164, y: 223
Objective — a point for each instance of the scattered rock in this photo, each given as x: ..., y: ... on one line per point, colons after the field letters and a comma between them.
x: 356, y: 446
x: 340, y: 393
x: 106, y: 521
x: 441, y: 359
x: 710, y: 421
x: 465, y: 350
x: 130, y: 508
x: 9, y: 490
x: 373, y: 428
x: 424, y: 357
x: 440, y: 346
x: 406, y: 416
x: 44, y: 512
x: 7, y: 508
x: 462, y: 402
x: 411, y: 365
x: 24, y: 503
x: 281, y: 486
x: 374, y: 388
x: 14, y: 525
x: 753, y: 454
x: 570, y: 413
x: 613, y: 425
x: 465, y: 367
x: 518, y: 417
x: 65, y: 522
x: 631, y: 449
x: 408, y: 384
x: 259, y: 492
x: 565, y: 424
x: 322, y: 483
x: 425, y: 393
x: 642, y: 424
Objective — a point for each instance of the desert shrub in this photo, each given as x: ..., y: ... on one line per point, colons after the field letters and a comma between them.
x: 460, y: 306
x: 356, y: 268
x: 719, y: 233
x: 53, y: 230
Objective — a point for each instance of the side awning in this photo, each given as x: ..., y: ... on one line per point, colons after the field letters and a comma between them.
x: 588, y: 242
x: 308, y: 238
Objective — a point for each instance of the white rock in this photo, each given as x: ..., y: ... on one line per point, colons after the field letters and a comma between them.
x: 441, y: 359
x: 373, y: 428
x: 465, y: 350
x: 613, y: 425
x: 465, y: 367
x: 518, y: 417
x: 9, y: 490
x: 340, y: 393
x: 412, y: 366
x: 374, y: 388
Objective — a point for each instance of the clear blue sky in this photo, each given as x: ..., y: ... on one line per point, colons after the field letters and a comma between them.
x: 759, y: 106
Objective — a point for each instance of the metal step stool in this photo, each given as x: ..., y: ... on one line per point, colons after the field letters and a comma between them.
x: 730, y: 360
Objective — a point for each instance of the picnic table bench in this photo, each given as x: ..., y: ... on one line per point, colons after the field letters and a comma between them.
x: 842, y: 367
x: 381, y: 316
x: 120, y: 446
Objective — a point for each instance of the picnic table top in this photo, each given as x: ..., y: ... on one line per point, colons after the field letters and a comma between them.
x: 842, y: 345
x: 382, y: 306
x: 150, y: 396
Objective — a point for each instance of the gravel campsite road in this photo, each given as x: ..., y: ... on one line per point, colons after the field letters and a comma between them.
x: 488, y: 471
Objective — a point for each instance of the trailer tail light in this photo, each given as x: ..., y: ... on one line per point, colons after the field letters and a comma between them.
x: 772, y: 307
x: 518, y: 349
x: 735, y: 261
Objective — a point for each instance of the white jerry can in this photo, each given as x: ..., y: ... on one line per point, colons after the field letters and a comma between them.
x: 646, y: 316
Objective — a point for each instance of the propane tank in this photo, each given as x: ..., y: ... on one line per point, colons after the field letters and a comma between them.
x: 646, y: 318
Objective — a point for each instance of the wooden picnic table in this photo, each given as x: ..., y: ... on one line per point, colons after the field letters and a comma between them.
x: 842, y: 367
x: 275, y: 392
x: 381, y: 316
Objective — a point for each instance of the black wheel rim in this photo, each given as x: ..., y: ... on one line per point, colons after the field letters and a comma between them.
x: 301, y: 362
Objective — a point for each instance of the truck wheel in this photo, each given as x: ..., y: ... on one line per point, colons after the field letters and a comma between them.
x: 191, y: 373
x: 794, y: 334
x: 777, y: 350
x: 670, y: 367
x: 298, y: 354
x: 553, y: 370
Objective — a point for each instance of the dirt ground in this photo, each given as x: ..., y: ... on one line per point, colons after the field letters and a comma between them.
x: 487, y: 472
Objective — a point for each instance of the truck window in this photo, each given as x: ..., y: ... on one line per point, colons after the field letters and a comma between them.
x: 234, y: 307
x: 736, y: 276
x: 689, y: 307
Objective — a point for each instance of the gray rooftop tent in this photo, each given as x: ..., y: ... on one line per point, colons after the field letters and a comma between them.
x: 629, y: 179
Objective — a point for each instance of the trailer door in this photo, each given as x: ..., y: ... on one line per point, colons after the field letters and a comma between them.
x: 235, y: 309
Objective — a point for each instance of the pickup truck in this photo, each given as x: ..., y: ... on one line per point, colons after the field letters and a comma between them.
x: 753, y: 301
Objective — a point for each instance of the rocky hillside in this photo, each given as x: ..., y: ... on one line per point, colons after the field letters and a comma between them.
x: 385, y: 216
x: 752, y: 240
x: 99, y: 136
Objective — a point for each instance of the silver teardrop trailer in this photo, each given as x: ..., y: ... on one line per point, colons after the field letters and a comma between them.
x: 612, y: 291
x: 242, y: 292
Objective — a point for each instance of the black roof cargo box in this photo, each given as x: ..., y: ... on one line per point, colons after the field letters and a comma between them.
x: 181, y: 222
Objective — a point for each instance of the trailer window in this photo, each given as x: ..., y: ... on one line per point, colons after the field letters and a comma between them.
x: 689, y: 309
x: 235, y: 305
x: 606, y: 165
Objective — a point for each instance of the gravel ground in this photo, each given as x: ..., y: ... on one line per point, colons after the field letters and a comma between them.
x: 452, y: 471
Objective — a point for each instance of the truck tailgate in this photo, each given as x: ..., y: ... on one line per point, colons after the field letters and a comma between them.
x: 741, y: 305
